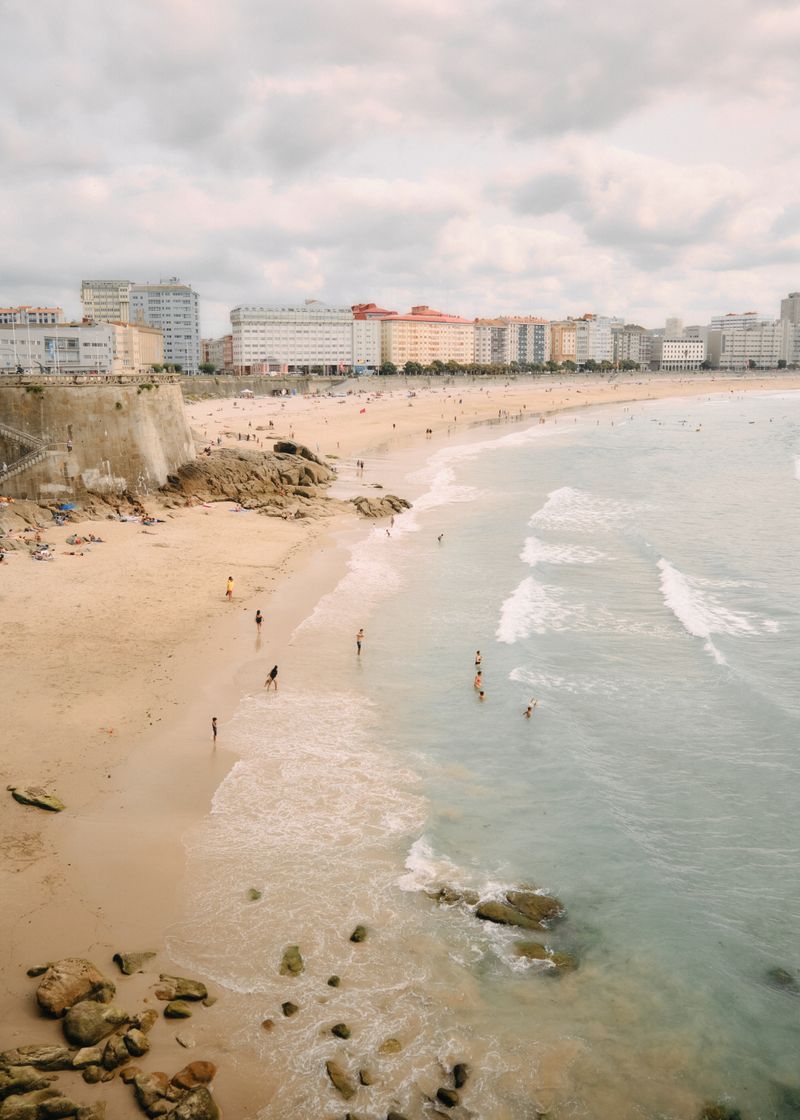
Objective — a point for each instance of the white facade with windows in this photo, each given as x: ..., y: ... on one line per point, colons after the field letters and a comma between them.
x: 106, y: 301
x: 626, y: 340
x: 366, y: 355
x: 80, y: 348
x: 738, y: 321
x: 759, y: 347
x: 593, y: 338
x: 21, y: 316
x: 790, y: 308
x: 172, y: 307
x: 678, y: 354
x: 512, y: 338
x: 312, y: 334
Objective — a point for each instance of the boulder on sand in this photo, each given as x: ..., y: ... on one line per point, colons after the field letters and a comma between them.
x: 340, y: 1081
x: 196, y: 1073
x: 177, y: 1009
x: 37, y: 797
x: 180, y: 987
x: 48, y: 1058
x: 196, y: 1105
x: 87, y: 1022
x: 69, y: 981
x: 292, y: 961
x: 132, y: 962
x: 20, y: 1079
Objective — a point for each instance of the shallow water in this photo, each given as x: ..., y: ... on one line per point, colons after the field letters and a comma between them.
x: 635, y: 572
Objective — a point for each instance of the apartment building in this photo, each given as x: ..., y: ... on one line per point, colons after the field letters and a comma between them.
x: 426, y: 335
x: 173, y: 307
x: 283, y: 338
x: 626, y: 343
x: 22, y: 315
x: 790, y: 308
x: 512, y: 338
x: 218, y: 351
x: 738, y: 320
x: 367, y: 319
x: 759, y: 346
x: 106, y: 301
x: 563, y: 341
x: 593, y: 338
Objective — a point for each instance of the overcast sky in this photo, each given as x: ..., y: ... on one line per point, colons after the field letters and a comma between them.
x: 634, y: 157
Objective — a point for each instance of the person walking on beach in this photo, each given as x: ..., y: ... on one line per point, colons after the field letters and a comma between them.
x: 229, y: 588
x: 272, y: 679
x: 359, y: 640
x: 440, y: 538
x: 259, y: 620
x: 214, y: 728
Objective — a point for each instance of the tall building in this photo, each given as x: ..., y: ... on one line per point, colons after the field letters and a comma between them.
x: 425, y: 335
x: 563, y: 341
x: 21, y: 316
x: 790, y: 308
x: 106, y: 301
x: 512, y: 338
x: 172, y: 307
x: 278, y: 339
x: 626, y: 342
x: 759, y: 346
x: 673, y: 327
x: 367, y: 318
x: 593, y: 340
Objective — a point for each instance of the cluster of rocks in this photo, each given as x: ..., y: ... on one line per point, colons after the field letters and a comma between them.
x: 385, y: 506
x: 102, y: 1040
x: 523, y: 908
x: 283, y: 482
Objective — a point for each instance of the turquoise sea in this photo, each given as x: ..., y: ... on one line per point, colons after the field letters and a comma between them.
x: 635, y: 570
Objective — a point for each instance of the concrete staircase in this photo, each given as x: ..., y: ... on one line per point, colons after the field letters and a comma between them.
x: 33, y: 451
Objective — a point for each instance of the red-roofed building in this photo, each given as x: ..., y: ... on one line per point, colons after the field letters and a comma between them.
x: 367, y: 319
x: 426, y: 335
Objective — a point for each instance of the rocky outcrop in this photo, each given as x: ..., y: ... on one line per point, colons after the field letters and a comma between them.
x: 289, y: 447
x: 37, y: 797
x: 252, y: 478
x: 196, y: 1073
x: 385, y: 506
x: 48, y: 1058
x: 534, y: 951
x: 521, y: 908
x: 70, y: 980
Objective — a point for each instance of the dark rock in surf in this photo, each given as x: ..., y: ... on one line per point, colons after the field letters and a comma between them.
x: 289, y: 1009
x: 359, y: 934
x: 719, y: 1112
x: 505, y: 915
x: 460, y: 1074
x: 292, y: 961
x: 341, y: 1030
x: 340, y: 1081
x: 538, y: 907
x: 448, y: 1097
x: 334, y: 981
x: 782, y: 979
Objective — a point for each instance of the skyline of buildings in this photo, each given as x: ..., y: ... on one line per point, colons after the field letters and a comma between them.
x: 365, y: 337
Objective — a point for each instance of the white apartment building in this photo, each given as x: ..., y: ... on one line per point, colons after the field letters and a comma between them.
x: 738, y: 320
x: 106, y: 301
x: 80, y: 348
x: 274, y: 339
x: 677, y: 354
x: 760, y: 346
x: 512, y: 338
x: 172, y: 306
x: 21, y: 316
x: 593, y: 338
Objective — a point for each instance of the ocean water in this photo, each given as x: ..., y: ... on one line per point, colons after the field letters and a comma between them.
x: 634, y: 570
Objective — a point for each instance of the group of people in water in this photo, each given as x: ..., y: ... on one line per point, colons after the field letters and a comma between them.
x: 478, y: 686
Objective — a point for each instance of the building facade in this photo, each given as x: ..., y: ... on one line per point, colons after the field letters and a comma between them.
x: 171, y: 306
x: 677, y: 354
x: 563, y: 341
x: 790, y: 308
x: 626, y: 343
x: 761, y: 346
x: 113, y: 348
x: 367, y: 319
x: 738, y: 320
x: 593, y: 340
x: 512, y: 338
x: 218, y: 352
x: 106, y: 301
x: 21, y: 316
x: 281, y: 339
x: 425, y: 335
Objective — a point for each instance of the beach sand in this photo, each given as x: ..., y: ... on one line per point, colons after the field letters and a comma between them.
x: 115, y: 661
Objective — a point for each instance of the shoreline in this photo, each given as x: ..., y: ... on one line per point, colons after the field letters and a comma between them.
x: 153, y: 791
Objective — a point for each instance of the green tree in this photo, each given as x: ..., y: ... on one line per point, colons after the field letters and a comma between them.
x: 551, y: 366
x: 590, y: 364
x: 569, y: 365
x: 412, y: 369
x: 781, y: 363
x: 156, y: 367
x: 387, y: 369
x: 207, y: 367
x: 628, y: 363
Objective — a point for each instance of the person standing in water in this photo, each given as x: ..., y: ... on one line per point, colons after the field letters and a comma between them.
x: 359, y: 640
x: 272, y: 679
x: 229, y: 588
x: 478, y: 682
x: 477, y: 657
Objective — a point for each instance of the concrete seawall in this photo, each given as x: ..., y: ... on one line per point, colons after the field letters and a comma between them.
x: 90, y: 435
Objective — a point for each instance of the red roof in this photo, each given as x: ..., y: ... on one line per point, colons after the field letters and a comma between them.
x: 371, y: 311
x: 424, y: 314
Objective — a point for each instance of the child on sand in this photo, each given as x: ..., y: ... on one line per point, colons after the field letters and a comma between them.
x: 229, y: 588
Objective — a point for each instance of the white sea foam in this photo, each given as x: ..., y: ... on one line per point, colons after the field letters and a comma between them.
x: 423, y: 868
x: 702, y: 613
x: 577, y: 511
x: 552, y: 682
x: 533, y: 608
x: 536, y: 551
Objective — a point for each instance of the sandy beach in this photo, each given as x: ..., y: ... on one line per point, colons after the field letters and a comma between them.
x: 117, y: 655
